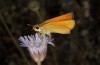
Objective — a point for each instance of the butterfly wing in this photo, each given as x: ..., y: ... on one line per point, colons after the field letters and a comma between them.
x: 62, y: 27
x: 68, y: 16
x: 58, y: 29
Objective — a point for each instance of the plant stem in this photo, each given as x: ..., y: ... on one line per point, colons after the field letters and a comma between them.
x: 54, y: 56
x: 14, y: 40
x: 39, y: 63
x: 37, y: 12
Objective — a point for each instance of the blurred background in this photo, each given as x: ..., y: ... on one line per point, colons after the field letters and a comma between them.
x: 81, y: 47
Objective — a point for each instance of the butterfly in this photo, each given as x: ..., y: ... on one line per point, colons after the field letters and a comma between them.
x: 62, y: 24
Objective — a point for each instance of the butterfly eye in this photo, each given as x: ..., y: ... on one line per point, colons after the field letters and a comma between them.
x: 37, y: 27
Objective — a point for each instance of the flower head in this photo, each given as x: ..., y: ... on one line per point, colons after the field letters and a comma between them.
x: 37, y: 45
x: 34, y: 5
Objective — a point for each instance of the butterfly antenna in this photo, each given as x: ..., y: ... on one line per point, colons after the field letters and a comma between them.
x: 28, y: 31
x: 29, y: 25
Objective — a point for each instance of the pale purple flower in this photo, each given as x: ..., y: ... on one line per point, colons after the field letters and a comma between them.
x: 37, y: 45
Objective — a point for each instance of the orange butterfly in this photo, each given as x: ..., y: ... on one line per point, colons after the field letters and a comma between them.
x: 62, y: 24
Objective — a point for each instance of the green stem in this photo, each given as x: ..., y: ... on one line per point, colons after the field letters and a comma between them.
x: 37, y: 12
x: 14, y: 40
x: 39, y: 63
x: 54, y: 56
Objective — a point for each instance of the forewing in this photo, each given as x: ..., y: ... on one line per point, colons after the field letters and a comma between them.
x: 62, y: 27
x: 67, y: 23
x: 57, y: 29
x: 68, y: 16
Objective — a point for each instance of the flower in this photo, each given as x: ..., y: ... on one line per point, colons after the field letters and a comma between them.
x: 34, y: 5
x: 37, y: 45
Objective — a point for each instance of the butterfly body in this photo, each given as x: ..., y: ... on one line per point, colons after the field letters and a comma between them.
x: 61, y: 24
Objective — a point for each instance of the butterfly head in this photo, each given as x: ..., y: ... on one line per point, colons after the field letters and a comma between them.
x: 36, y: 28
